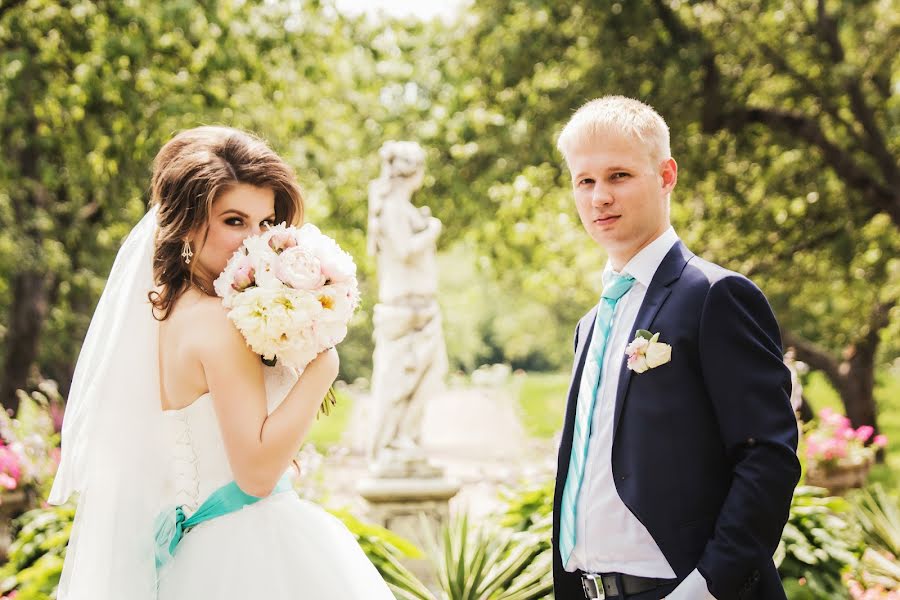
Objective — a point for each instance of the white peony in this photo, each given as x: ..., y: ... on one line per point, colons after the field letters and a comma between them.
x: 299, y: 268
x: 337, y: 265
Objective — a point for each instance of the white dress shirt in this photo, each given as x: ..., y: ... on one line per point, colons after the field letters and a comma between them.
x: 609, y: 538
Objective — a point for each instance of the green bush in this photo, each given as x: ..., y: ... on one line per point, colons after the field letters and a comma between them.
x: 385, y: 549
x: 36, y: 556
x: 819, y: 544
x: 878, y: 515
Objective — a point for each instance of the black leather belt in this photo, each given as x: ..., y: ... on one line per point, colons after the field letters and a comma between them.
x: 616, y: 585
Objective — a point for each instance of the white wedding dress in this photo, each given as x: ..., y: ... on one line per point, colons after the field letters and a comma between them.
x: 280, y: 548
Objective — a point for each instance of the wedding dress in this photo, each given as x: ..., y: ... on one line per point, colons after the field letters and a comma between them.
x: 280, y: 548
x: 132, y: 464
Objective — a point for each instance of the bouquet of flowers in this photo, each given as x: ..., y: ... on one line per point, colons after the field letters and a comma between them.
x: 291, y: 293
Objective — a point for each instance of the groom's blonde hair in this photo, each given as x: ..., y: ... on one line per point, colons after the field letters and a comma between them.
x: 616, y: 115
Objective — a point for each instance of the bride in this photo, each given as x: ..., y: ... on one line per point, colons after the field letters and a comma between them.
x: 176, y: 436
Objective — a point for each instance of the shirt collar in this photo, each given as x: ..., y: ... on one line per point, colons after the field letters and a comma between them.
x: 644, y: 264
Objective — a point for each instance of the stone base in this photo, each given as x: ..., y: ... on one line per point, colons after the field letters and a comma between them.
x: 416, y: 509
x: 406, y: 462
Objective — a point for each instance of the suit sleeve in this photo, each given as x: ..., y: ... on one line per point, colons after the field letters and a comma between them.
x: 749, y: 386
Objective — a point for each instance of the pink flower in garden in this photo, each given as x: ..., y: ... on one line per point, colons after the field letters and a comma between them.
x: 8, y: 482
x: 864, y: 433
x: 9, y: 462
x: 880, y: 440
x: 813, y: 448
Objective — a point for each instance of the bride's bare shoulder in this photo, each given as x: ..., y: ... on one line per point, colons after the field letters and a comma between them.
x: 207, y: 325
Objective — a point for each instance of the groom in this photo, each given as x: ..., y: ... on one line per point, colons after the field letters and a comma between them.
x: 677, y: 461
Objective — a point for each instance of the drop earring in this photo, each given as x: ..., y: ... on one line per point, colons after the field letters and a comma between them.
x: 186, y: 252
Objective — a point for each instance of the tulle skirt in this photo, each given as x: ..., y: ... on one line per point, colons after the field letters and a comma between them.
x: 281, y: 548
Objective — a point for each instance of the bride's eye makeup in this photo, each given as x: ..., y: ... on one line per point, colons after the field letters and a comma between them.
x: 238, y: 222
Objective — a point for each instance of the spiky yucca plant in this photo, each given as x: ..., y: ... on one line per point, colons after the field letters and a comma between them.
x: 492, y: 563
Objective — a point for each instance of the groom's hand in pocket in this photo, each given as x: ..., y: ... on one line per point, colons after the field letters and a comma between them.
x: 692, y: 588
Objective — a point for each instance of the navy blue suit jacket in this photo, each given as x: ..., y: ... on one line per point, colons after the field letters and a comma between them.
x: 704, y: 446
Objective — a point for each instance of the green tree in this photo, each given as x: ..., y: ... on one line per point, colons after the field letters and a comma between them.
x: 784, y: 122
x: 90, y: 90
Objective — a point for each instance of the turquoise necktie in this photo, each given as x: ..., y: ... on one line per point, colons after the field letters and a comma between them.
x: 587, y: 395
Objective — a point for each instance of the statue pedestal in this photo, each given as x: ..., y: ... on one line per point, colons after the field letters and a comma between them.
x: 413, y: 507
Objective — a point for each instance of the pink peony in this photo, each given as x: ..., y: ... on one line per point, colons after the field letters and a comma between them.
x: 244, y: 275
x: 281, y: 241
x: 880, y: 440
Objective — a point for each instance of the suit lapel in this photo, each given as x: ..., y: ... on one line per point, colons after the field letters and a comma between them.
x: 660, y: 287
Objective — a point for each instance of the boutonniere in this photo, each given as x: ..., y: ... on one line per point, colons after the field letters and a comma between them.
x: 646, y: 352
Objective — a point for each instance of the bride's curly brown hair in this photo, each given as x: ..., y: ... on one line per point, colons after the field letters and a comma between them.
x: 189, y: 173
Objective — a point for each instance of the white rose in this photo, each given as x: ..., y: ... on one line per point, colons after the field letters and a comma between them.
x: 658, y: 354
x: 299, y: 268
x: 637, y: 345
x: 638, y: 363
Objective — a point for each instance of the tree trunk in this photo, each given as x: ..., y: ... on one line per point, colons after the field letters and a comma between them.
x: 857, y: 389
x: 31, y: 292
x: 853, y: 376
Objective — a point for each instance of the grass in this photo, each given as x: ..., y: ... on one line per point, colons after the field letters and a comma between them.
x: 328, y: 431
x: 542, y: 402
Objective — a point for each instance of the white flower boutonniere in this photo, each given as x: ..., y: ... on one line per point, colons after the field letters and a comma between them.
x: 646, y: 352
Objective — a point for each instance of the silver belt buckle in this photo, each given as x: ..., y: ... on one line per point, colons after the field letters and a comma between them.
x: 593, y: 587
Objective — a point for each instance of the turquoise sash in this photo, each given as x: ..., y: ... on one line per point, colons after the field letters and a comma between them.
x: 171, y: 525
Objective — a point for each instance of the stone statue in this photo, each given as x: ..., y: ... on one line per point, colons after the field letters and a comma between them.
x: 410, y: 359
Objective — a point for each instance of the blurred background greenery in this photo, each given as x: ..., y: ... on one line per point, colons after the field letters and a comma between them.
x: 785, y: 120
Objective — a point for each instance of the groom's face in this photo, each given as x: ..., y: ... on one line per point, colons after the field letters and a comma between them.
x: 621, y: 193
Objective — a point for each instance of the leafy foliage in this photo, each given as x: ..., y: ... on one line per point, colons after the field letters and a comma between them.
x: 37, y: 554
x: 820, y: 542
x: 385, y: 549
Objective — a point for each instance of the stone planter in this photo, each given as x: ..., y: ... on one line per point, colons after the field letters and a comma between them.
x: 840, y: 477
